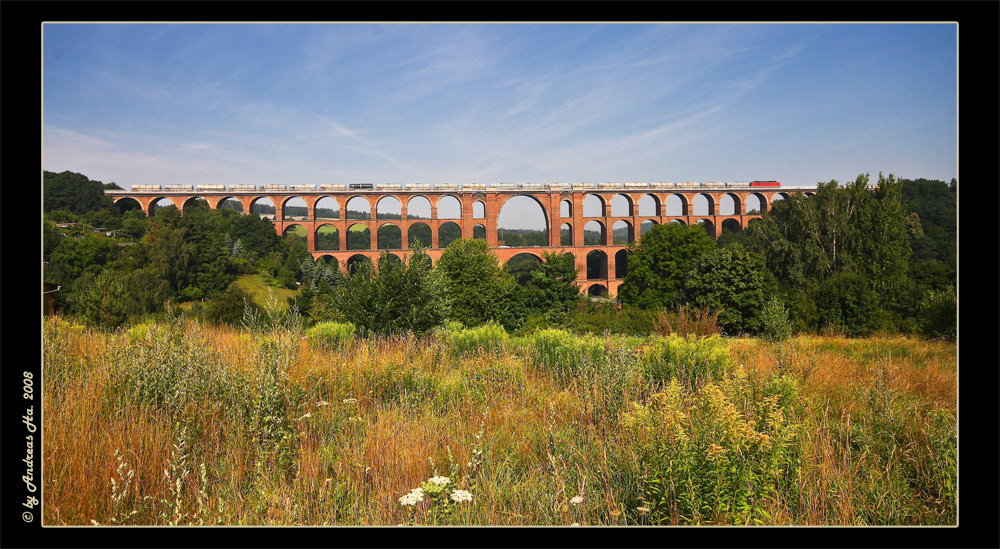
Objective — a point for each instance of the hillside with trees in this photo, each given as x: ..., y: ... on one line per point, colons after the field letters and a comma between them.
x: 854, y: 259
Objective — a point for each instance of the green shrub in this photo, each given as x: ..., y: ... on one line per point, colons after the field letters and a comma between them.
x: 331, y: 335
x: 692, y: 360
x: 563, y: 353
x: 938, y: 313
x: 487, y: 339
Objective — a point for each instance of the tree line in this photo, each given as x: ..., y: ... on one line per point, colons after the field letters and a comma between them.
x: 847, y: 259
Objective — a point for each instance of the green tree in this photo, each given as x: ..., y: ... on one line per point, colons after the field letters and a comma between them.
x: 551, y: 289
x: 398, y: 297
x: 230, y: 306
x: 732, y: 282
x: 880, y: 245
x: 846, y: 303
x: 659, y: 262
x: 103, y: 300
x: 478, y: 288
x: 74, y: 192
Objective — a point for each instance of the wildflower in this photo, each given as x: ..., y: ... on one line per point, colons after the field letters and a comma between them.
x: 350, y: 401
x: 414, y: 497
x: 459, y: 496
x: 308, y: 414
x: 322, y: 403
x: 575, y: 524
x: 440, y: 481
x: 576, y: 500
x: 642, y: 509
x: 715, y: 451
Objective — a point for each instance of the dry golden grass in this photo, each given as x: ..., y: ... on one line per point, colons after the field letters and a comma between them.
x: 359, y: 426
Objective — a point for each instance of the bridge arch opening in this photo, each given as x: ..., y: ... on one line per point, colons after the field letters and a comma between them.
x: 565, y: 208
x: 230, y: 203
x: 262, y: 207
x: 418, y: 207
x: 597, y: 265
x: 755, y: 203
x: 358, y: 207
x: 389, y: 237
x: 708, y: 226
x: 565, y: 234
x: 594, y: 234
x: 703, y: 205
x: 160, y: 204
x: 326, y: 208
x: 327, y: 237
x: 729, y: 204
x: 645, y: 226
x: 356, y: 261
x: 731, y: 226
x: 387, y: 258
x: 389, y: 207
x: 597, y: 290
x: 622, y: 233
x: 448, y: 233
x: 521, y: 266
x: 621, y: 206
x: 295, y: 209
x: 522, y: 222
x: 449, y: 207
x: 127, y: 204
x: 649, y: 205
x: 418, y: 233
x: 478, y: 210
x: 593, y: 206
x: 359, y: 237
x: 678, y: 221
x: 479, y: 232
x: 298, y: 232
x: 676, y: 205
x: 621, y: 263
x: 196, y: 203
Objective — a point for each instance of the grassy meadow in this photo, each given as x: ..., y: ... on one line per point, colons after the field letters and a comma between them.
x: 178, y: 423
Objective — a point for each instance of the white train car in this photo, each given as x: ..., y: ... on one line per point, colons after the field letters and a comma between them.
x: 662, y: 185
x: 302, y: 187
x: 446, y: 187
x: 558, y: 186
x: 212, y: 188
x: 610, y: 185
x: 738, y: 185
x: 243, y: 187
x: 507, y: 186
x: 418, y: 186
x: 533, y: 186
x: 145, y: 188
x: 332, y: 187
x: 637, y: 185
x: 687, y: 185
x: 178, y: 187
x: 474, y: 186
x: 273, y: 187
x: 713, y: 185
x: 584, y: 185
x: 390, y: 187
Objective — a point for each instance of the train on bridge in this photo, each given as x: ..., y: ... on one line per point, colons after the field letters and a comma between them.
x: 355, y: 187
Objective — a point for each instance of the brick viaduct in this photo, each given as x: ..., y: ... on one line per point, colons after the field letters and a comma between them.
x: 479, y: 212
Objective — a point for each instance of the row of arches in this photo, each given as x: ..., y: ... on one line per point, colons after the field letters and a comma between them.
x: 296, y: 208
x: 597, y: 264
x: 389, y: 236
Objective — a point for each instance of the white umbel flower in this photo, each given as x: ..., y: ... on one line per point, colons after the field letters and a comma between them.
x: 414, y: 497
x: 576, y: 500
x: 440, y: 481
x: 459, y: 496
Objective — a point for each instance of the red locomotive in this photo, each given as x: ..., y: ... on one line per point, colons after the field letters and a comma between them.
x: 765, y: 184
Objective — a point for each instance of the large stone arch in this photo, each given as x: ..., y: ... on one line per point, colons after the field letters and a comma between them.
x: 594, y: 205
x: 447, y: 233
x: 327, y: 237
x: 676, y: 204
x: 525, y: 214
x: 362, y: 208
x: 648, y: 205
x: 597, y: 265
x: 389, y: 236
x: 445, y: 203
x: 621, y: 205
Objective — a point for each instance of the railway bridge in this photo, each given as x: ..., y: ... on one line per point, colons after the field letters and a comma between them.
x: 594, y: 222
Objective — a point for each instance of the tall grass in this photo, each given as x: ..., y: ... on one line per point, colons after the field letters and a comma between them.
x: 178, y: 423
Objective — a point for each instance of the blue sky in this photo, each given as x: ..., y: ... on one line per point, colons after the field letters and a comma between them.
x: 490, y: 103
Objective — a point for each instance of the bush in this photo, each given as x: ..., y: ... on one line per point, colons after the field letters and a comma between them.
x: 846, y: 303
x: 774, y: 321
x: 563, y: 353
x: 692, y: 361
x: 230, y: 307
x: 938, y: 313
x: 489, y: 338
x: 331, y: 335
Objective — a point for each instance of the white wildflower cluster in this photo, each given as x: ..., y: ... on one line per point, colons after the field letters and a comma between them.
x: 576, y: 500
x: 458, y: 496
x: 440, y: 481
x: 322, y: 403
x: 350, y: 401
x: 415, y: 496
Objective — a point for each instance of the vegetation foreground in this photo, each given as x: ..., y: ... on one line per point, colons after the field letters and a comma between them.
x: 182, y: 423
